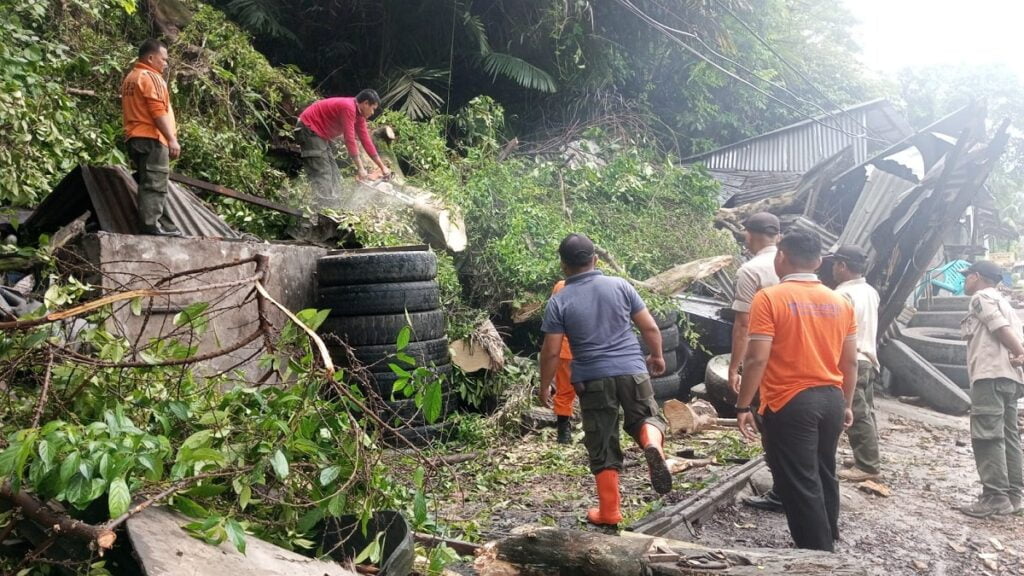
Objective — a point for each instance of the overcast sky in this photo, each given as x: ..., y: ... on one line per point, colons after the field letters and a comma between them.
x: 898, y: 33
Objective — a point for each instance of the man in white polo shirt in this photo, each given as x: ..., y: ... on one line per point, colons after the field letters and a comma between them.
x: 848, y: 265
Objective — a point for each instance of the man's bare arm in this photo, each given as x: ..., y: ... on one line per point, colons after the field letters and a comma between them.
x: 549, y: 364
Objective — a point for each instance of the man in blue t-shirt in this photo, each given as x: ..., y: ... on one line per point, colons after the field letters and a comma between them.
x: 597, y: 313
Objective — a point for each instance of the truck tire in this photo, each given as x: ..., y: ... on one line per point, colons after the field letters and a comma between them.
x: 671, y: 362
x: 716, y: 383
x: 406, y: 412
x: 915, y: 373
x: 669, y: 340
x: 386, y: 298
x: 375, y: 267
x: 958, y: 374
x: 936, y: 345
x: 384, y: 328
x: 666, y: 386
x: 377, y: 356
x: 950, y: 320
x: 666, y: 318
x: 384, y: 381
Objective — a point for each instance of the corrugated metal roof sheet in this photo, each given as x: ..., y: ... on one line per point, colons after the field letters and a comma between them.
x: 108, y: 192
x: 737, y: 182
x: 798, y: 147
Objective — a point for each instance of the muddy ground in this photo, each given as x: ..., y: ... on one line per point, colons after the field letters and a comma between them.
x: 917, y: 530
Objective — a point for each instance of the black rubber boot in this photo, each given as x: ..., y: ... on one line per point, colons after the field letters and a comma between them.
x: 564, y: 430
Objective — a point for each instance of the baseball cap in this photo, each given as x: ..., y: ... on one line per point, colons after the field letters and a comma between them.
x: 576, y: 250
x: 850, y: 253
x: 763, y: 223
x: 987, y: 269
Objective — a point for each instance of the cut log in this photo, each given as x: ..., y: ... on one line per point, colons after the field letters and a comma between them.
x: 690, y: 418
x: 558, y: 552
x: 98, y: 538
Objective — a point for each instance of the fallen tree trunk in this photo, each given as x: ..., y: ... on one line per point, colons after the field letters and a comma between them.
x: 558, y: 552
x: 98, y: 538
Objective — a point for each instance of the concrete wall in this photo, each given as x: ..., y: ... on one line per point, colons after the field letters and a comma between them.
x: 129, y: 262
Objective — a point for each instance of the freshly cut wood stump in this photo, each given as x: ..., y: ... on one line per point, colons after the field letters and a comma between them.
x: 694, y: 417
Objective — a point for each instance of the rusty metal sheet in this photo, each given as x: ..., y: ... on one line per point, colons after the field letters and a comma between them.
x: 108, y: 193
x: 798, y: 147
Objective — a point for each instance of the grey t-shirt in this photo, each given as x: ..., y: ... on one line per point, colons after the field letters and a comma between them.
x: 596, y: 313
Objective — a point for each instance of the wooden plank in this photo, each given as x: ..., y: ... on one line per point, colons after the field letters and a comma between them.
x: 229, y: 193
x: 702, y: 504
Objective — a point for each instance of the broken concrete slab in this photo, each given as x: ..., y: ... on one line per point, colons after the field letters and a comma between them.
x: 164, y: 549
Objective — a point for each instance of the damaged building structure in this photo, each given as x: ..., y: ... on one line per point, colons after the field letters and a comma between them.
x: 914, y: 199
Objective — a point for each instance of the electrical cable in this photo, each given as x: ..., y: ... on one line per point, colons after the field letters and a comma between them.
x: 671, y: 33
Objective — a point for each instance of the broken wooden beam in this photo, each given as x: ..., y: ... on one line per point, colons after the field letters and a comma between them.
x: 229, y: 193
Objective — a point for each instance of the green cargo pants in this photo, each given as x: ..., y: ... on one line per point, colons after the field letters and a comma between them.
x: 321, y: 166
x: 863, y: 433
x: 600, y: 401
x: 995, y: 437
x: 152, y: 166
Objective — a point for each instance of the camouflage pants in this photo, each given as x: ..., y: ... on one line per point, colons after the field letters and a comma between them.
x: 151, y: 161
x: 321, y: 166
x: 599, y: 405
x: 995, y: 436
x: 863, y: 434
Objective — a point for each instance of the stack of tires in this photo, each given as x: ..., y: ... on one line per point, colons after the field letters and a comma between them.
x: 667, y: 385
x: 934, y: 333
x: 372, y: 294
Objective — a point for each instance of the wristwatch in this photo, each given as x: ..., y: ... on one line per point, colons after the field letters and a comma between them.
x: 742, y: 409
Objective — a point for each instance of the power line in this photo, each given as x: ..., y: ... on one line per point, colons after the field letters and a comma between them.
x: 671, y: 33
x: 792, y: 67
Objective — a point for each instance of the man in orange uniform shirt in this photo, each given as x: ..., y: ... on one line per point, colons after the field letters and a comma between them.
x: 565, y: 395
x: 151, y: 134
x: 802, y: 355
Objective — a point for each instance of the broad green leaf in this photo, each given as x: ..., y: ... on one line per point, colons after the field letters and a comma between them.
x: 118, y: 498
x: 236, y: 533
x: 136, y: 306
x: 197, y: 440
x: 189, y: 507
x: 245, y: 496
x: 330, y: 474
x: 405, y: 359
x: 403, y: 337
x: 280, y: 464
x: 69, y: 466
x: 431, y: 404
x: 419, y: 509
x: 371, y: 552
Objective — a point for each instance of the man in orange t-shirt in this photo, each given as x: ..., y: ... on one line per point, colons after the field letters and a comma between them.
x: 151, y: 134
x: 565, y: 394
x: 802, y: 355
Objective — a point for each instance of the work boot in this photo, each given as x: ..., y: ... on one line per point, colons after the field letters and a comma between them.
x: 855, y: 474
x: 989, y: 505
x: 768, y: 501
x: 650, y: 438
x: 607, y: 513
x: 564, y: 430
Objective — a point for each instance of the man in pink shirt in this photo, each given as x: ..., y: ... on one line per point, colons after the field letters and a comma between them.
x: 322, y: 122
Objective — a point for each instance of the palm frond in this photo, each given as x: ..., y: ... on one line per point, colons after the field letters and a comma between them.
x: 417, y: 100
x: 519, y: 71
x: 476, y: 30
x: 260, y: 17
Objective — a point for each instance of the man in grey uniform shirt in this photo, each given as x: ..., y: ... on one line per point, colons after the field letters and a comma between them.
x: 762, y: 234
x: 597, y: 313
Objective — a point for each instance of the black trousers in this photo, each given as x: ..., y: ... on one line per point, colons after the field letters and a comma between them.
x: 802, y: 440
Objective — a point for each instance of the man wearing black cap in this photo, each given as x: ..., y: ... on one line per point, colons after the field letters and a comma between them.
x: 597, y: 314
x: 761, y: 235
x: 848, y: 265
x: 994, y: 357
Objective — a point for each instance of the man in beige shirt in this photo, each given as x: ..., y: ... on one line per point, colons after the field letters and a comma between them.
x: 994, y: 358
x: 848, y: 265
x: 762, y: 234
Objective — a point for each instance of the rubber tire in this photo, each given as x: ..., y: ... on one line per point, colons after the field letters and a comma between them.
x: 420, y: 435
x: 666, y: 387
x: 669, y: 340
x: 377, y: 356
x: 384, y: 328
x: 376, y: 267
x: 716, y: 382
x: 958, y: 374
x: 387, y: 298
x: 945, y: 304
x: 383, y: 382
x: 666, y: 319
x: 671, y: 361
x: 406, y: 413
x: 923, y: 379
x: 949, y: 320
x: 936, y: 345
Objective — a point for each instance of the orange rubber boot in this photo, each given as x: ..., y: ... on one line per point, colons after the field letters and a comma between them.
x: 608, y: 499
x: 651, y: 440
